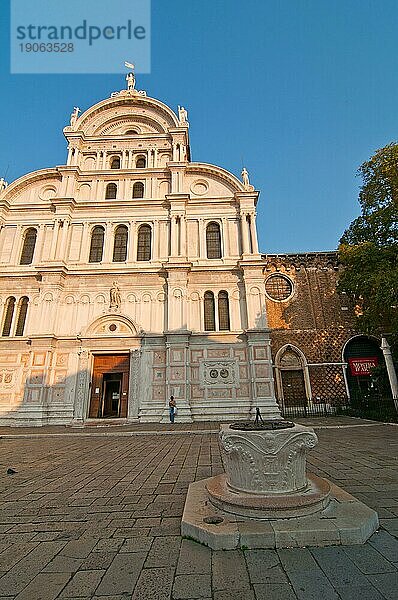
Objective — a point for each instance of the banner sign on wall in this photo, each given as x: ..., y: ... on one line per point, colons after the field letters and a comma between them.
x: 362, y: 366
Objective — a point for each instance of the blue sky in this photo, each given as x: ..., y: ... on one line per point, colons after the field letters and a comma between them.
x: 301, y: 91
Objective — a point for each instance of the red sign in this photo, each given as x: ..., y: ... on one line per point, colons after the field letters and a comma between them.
x: 362, y: 366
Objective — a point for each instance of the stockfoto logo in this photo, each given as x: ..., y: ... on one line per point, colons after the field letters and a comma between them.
x: 92, y: 33
x: 48, y: 36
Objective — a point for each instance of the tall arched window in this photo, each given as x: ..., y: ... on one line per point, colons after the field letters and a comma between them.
x: 138, y: 189
x: 120, y: 244
x: 223, y: 311
x: 144, y: 243
x: 141, y: 162
x: 213, y: 240
x: 8, y: 316
x: 28, y: 248
x: 97, y: 244
x: 111, y: 191
x: 115, y: 162
x: 22, y: 311
x: 210, y: 316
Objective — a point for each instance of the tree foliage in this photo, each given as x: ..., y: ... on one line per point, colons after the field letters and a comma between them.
x: 368, y: 249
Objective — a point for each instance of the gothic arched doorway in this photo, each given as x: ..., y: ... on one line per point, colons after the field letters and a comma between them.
x: 292, y: 378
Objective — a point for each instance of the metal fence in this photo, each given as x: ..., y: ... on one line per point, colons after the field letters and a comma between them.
x: 366, y: 407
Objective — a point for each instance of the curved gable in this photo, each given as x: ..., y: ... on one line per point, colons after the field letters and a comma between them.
x: 117, y: 114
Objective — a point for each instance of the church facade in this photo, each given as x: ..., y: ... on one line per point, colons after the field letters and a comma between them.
x: 132, y: 273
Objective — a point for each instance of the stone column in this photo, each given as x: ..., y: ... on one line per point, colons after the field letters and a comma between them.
x: 69, y: 159
x: 245, y: 233
x: 253, y: 232
x: 108, y: 244
x: 183, y: 236
x: 82, y: 386
x: 202, y: 240
x: 155, y: 240
x: 64, y: 239
x: 40, y: 243
x: 131, y: 256
x: 392, y: 376
x: 134, y: 385
x: 85, y: 245
x: 16, y: 245
x: 54, y: 240
x: 174, y: 235
x: 225, y: 237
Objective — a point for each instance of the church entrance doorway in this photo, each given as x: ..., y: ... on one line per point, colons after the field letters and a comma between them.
x: 109, y: 386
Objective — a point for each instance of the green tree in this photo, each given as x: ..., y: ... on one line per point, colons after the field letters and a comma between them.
x: 368, y: 249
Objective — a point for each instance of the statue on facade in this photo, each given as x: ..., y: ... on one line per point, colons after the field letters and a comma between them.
x: 74, y: 116
x: 246, y: 180
x: 115, y: 298
x: 3, y: 184
x: 182, y: 115
x: 245, y: 177
x: 130, y: 78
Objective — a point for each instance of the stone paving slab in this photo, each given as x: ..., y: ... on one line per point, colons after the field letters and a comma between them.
x: 97, y: 516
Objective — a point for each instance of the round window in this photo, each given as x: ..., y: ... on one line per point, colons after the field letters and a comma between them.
x: 112, y: 327
x: 278, y: 287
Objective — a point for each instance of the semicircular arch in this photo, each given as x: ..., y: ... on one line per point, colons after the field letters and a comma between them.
x: 111, y: 325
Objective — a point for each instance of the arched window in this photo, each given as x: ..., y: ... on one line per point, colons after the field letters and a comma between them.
x: 210, y: 316
x: 97, y: 244
x: 28, y: 248
x: 138, y: 189
x: 213, y: 240
x: 115, y: 162
x: 22, y: 311
x: 144, y: 243
x: 8, y: 316
x: 120, y: 244
x: 131, y: 132
x: 223, y: 311
x: 111, y: 191
x: 141, y: 162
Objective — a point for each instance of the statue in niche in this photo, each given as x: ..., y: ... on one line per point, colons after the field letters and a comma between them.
x: 115, y: 298
x: 74, y: 116
x: 182, y: 115
x: 3, y: 184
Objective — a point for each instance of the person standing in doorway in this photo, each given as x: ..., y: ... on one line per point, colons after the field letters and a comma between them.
x: 172, y: 408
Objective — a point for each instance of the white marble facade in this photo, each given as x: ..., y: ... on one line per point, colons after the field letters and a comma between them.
x: 59, y: 264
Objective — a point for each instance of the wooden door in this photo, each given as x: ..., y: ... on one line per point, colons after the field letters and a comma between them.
x: 293, y: 388
x: 106, y: 365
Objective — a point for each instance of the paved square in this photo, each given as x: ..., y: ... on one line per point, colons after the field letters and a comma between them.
x: 96, y: 514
